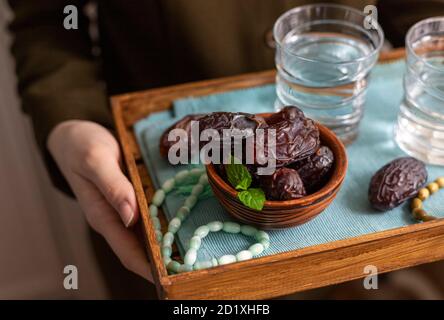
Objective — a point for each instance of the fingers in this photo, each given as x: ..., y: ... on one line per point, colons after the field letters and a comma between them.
x: 127, y: 247
x: 103, y: 170
x: 103, y: 219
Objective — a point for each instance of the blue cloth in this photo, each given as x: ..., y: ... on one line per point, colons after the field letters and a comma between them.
x: 350, y: 214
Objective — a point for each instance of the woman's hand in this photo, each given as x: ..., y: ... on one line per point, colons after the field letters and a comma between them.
x: 89, y: 157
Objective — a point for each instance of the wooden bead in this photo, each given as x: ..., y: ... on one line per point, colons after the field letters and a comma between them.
x: 440, y: 182
x: 433, y: 187
x: 423, y: 194
x: 419, y: 214
x: 416, y: 204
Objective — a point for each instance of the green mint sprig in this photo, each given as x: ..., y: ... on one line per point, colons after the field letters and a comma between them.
x: 238, y: 175
x: 240, y: 178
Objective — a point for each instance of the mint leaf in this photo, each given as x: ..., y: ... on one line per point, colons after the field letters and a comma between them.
x: 238, y: 175
x: 253, y: 198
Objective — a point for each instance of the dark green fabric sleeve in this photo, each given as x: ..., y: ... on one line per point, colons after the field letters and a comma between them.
x: 58, y: 77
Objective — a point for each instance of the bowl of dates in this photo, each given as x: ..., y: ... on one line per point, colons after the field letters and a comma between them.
x: 311, y: 164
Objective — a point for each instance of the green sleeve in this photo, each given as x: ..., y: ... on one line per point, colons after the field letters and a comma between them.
x: 58, y: 77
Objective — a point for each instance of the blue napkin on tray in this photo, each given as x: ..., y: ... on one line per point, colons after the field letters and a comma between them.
x: 350, y: 214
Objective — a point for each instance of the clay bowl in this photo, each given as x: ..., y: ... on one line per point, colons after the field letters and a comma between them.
x: 288, y: 213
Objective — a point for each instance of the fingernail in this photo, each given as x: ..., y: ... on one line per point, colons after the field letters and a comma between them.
x: 126, y: 214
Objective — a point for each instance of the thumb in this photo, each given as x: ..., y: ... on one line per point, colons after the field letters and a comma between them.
x: 104, y: 172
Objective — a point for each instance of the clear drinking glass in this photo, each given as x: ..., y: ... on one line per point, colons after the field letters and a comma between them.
x: 324, y: 54
x: 420, y: 127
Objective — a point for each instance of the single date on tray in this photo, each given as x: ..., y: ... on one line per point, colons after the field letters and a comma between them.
x: 396, y: 182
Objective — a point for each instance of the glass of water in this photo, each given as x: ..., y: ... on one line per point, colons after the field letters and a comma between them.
x: 420, y: 127
x: 324, y: 53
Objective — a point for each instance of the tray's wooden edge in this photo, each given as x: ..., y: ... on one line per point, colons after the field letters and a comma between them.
x: 318, y: 266
x: 158, y: 270
x: 180, y: 286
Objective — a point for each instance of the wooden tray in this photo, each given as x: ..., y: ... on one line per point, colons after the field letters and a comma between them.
x: 275, y: 275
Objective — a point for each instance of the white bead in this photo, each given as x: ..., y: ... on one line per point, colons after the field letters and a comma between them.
x: 200, y: 265
x: 167, y: 251
x: 182, y: 213
x: 185, y: 268
x: 158, y: 197
x: 256, y: 249
x: 260, y: 235
x: 197, y: 190
x: 190, y: 256
x: 226, y: 259
x: 214, y: 262
x: 168, y: 185
x: 153, y: 210
x: 159, y: 236
x: 203, y: 180
x: 195, y: 242
x: 168, y: 239
x: 265, y: 243
x: 156, y: 223
x: 197, y: 171
x: 167, y: 260
x: 215, y: 226
x: 231, y: 227
x: 173, y: 266
x: 174, y: 225
x: 181, y: 175
x: 202, y: 231
x: 244, y: 255
x: 190, y: 201
x: 249, y: 231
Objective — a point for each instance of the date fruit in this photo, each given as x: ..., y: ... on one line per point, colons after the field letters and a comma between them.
x: 297, y: 137
x: 283, y: 184
x: 185, y: 124
x: 396, y: 182
x: 231, y: 120
x: 314, y: 170
x: 244, y: 123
